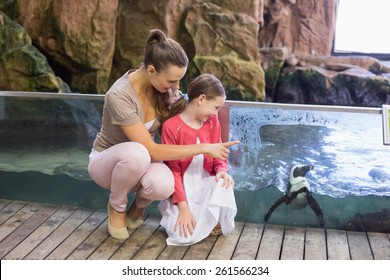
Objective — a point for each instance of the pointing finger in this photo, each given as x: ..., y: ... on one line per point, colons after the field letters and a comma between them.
x: 231, y: 143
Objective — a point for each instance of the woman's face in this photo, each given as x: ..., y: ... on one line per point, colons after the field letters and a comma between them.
x: 167, y: 79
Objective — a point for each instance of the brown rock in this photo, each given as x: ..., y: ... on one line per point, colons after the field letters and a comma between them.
x: 300, y: 25
x: 22, y: 66
x: 217, y: 37
x: 78, y: 35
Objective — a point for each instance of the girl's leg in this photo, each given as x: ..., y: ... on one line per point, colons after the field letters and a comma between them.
x: 119, y: 169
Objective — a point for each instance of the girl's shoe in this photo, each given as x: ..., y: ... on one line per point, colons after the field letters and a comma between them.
x: 117, y: 233
x: 217, y: 230
x: 132, y: 223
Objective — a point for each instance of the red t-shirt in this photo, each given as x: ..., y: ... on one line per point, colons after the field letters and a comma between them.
x: 176, y: 131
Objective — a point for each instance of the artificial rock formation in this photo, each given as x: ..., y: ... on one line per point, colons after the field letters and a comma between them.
x: 217, y: 37
x: 76, y: 37
x: 305, y: 26
x: 212, y: 35
x: 22, y: 66
x: 91, y: 43
x: 262, y: 50
x: 300, y: 78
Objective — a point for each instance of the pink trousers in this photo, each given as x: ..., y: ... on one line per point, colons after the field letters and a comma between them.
x: 127, y: 167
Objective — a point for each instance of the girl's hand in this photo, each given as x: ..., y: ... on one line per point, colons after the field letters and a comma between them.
x: 186, y: 221
x: 228, y: 181
x: 219, y: 150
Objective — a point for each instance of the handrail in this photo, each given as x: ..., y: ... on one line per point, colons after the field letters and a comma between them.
x: 228, y: 103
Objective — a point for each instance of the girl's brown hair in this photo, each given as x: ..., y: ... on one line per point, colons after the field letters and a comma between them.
x: 206, y: 84
x: 162, y: 52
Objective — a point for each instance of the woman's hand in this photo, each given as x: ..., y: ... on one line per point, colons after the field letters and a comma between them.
x: 228, y: 181
x: 186, y: 221
x: 219, y: 150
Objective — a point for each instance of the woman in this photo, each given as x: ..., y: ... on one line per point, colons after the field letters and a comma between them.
x: 203, y: 202
x: 124, y: 157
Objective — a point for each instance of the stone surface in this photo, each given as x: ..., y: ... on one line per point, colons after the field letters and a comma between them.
x: 135, y: 19
x: 262, y: 50
x: 217, y: 37
x: 301, y: 25
x: 76, y: 36
x: 22, y: 66
x: 315, y: 85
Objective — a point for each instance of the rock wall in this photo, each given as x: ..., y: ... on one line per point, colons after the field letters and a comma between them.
x: 76, y: 36
x: 305, y: 26
x: 324, y: 80
x: 262, y: 50
x: 91, y: 43
x: 22, y: 66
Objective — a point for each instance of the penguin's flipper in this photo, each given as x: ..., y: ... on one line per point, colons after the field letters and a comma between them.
x: 275, y: 205
x: 288, y: 187
x: 315, y: 207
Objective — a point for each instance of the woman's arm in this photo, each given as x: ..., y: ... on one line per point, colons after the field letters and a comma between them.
x: 138, y: 133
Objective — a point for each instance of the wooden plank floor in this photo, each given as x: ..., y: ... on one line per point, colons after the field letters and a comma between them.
x: 30, y: 230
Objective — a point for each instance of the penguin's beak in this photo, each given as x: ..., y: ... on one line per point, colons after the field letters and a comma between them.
x: 307, y: 168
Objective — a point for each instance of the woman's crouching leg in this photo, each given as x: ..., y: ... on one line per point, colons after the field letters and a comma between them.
x: 120, y: 169
x: 156, y: 184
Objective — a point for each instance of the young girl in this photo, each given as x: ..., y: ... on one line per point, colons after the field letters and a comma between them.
x: 203, y: 201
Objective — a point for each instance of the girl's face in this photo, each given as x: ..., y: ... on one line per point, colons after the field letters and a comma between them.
x: 208, y: 107
x: 166, y: 79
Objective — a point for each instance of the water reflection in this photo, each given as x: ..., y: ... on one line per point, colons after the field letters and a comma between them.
x: 346, y: 150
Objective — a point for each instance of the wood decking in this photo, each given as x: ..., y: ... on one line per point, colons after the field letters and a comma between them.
x: 30, y: 230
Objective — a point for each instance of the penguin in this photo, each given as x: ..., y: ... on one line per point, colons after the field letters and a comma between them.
x: 298, y: 194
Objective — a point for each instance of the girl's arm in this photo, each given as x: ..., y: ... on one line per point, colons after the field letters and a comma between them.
x: 185, y: 221
x: 138, y: 133
x: 169, y: 137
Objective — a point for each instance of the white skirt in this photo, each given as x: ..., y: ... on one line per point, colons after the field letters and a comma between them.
x: 210, y: 203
